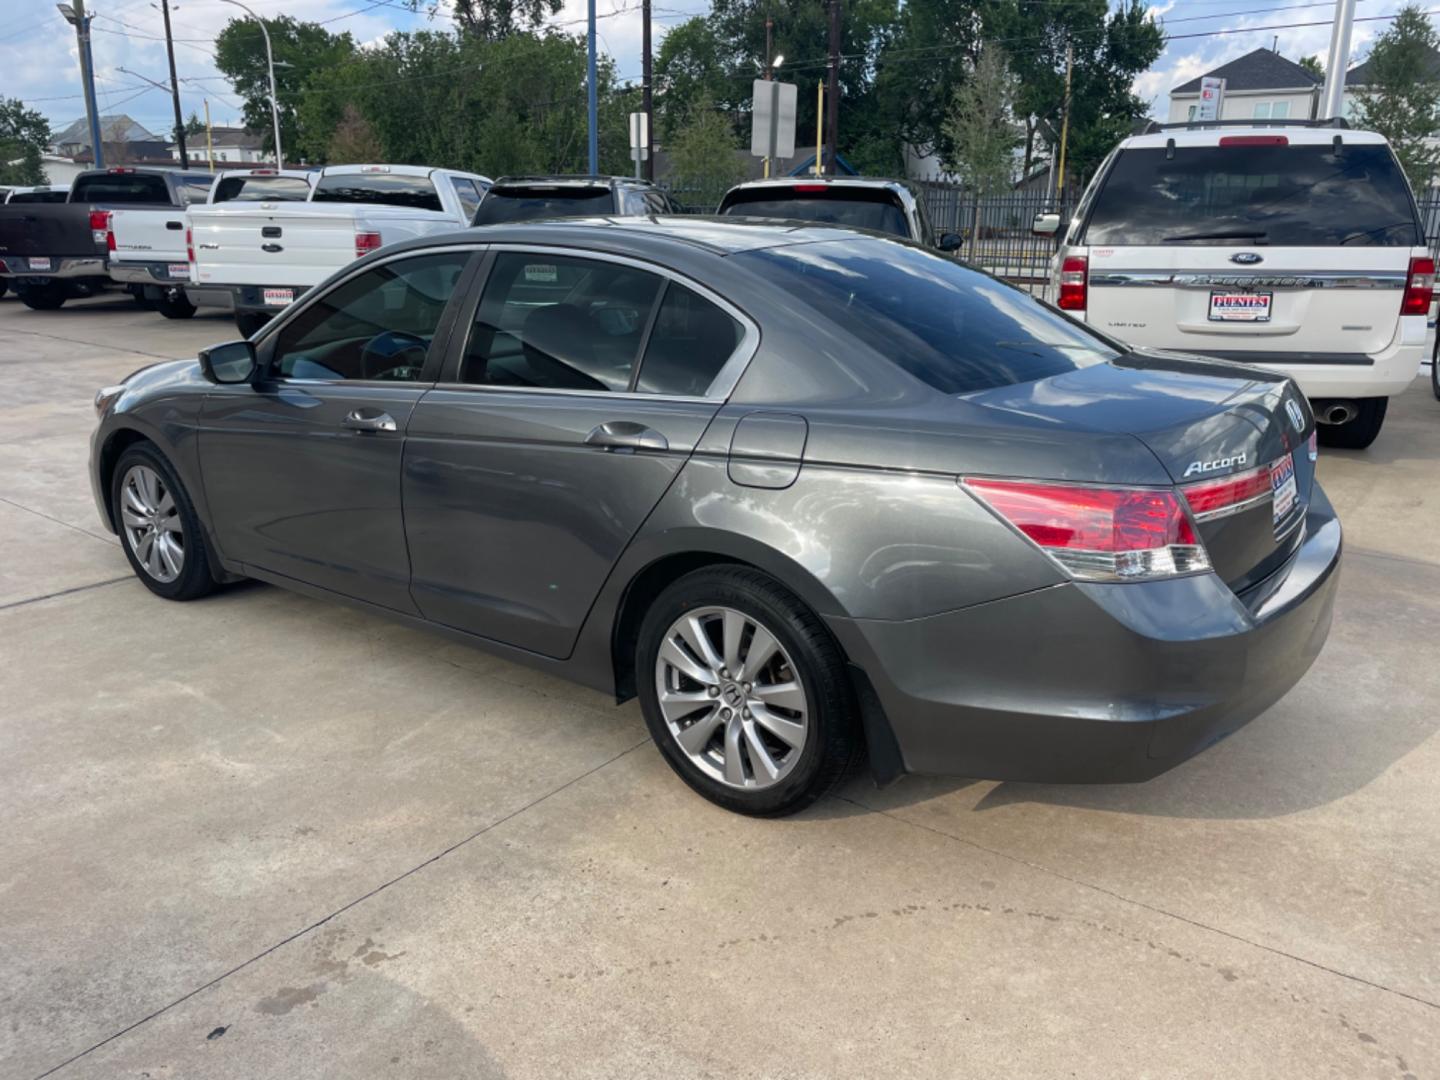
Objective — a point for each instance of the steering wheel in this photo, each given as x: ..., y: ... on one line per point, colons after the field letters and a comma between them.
x: 393, y: 355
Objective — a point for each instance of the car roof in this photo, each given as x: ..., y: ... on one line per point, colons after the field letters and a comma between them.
x: 381, y: 169
x: 829, y: 181
x: 1211, y: 136
x: 570, y: 180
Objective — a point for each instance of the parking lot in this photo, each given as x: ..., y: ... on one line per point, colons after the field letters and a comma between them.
x: 262, y: 835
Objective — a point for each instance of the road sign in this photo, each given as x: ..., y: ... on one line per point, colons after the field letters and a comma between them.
x: 1212, y: 98
x: 772, y: 120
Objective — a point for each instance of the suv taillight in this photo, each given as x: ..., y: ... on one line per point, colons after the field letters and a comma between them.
x: 1418, y: 286
x: 1073, y: 273
x: 100, y: 228
x: 366, y: 242
x: 1099, y: 533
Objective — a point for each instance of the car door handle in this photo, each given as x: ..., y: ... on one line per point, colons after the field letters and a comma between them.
x: 626, y: 435
x: 364, y: 420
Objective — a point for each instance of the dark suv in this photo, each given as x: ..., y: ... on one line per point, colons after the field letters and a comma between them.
x: 860, y: 202
x: 529, y: 198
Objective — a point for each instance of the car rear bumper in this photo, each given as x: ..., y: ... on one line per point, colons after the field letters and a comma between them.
x: 1342, y: 375
x: 253, y: 298
x: 1098, y: 683
x: 19, y: 268
x: 148, y: 273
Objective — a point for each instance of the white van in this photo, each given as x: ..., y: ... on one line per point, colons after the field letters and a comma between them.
x: 1293, y: 245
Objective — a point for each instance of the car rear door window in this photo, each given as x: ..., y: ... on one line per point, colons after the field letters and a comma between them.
x: 1275, y: 194
x: 951, y: 327
x: 376, y: 325
x: 690, y: 342
x: 383, y: 189
x: 555, y: 322
x: 468, y: 194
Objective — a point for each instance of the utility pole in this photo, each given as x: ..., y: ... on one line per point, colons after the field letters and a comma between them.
x: 175, y: 87
x: 590, y: 91
x: 832, y: 121
x: 769, y: 47
x: 209, y: 137
x: 1333, y: 97
x: 646, y: 103
x: 74, y: 13
x: 1064, y: 122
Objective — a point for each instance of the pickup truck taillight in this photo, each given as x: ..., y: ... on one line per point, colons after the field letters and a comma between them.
x: 366, y: 242
x: 1073, y: 274
x: 100, y: 228
x: 1418, y: 285
x: 189, y: 246
x: 1099, y: 533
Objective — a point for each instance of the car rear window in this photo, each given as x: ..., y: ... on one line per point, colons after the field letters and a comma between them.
x: 1281, y: 195
x: 859, y: 208
x: 384, y: 189
x: 262, y: 189
x: 121, y: 188
x: 953, y: 328
x: 532, y: 203
x: 39, y: 196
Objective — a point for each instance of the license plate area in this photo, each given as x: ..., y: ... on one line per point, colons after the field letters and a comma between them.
x: 278, y: 297
x: 40, y: 264
x: 179, y: 270
x: 1284, y: 493
x: 1245, y: 307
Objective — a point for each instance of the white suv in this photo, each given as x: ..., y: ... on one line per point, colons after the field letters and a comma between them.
x: 1295, y: 246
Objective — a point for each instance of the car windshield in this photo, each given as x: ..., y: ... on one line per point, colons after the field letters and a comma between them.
x: 531, y: 204
x: 859, y: 208
x: 954, y: 328
x: 262, y: 189
x: 383, y: 189
x: 1281, y: 195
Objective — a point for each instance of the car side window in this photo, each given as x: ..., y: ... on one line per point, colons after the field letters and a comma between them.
x: 376, y: 325
x: 556, y: 322
x: 690, y: 343
x: 468, y: 195
x: 632, y: 201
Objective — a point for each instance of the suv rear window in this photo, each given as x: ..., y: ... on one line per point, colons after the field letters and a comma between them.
x: 384, y: 189
x: 1293, y: 196
x: 121, y: 188
x: 859, y: 208
x: 262, y: 189
x: 953, y: 328
x: 511, y: 203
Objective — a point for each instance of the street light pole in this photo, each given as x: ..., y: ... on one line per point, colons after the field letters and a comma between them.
x: 75, y: 15
x: 593, y: 104
x: 270, y: 61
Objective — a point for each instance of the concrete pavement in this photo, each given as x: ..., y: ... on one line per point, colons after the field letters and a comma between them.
x: 263, y: 836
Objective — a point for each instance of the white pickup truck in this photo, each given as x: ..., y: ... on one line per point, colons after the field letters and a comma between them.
x: 265, y: 256
x: 148, y: 251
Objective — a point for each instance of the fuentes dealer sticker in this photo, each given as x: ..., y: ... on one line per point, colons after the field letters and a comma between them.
x: 1240, y: 307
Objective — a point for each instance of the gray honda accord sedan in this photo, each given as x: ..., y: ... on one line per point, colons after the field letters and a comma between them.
x: 808, y: 492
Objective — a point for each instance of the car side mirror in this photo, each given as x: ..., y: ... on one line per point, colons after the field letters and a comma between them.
x: 232, y: 362
x: 951, y: 242
x: 1045, y: 224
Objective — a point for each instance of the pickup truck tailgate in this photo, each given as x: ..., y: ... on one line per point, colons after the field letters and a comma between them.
x: 238, y: 244
x: 54, y: 229
x: 148, y: 234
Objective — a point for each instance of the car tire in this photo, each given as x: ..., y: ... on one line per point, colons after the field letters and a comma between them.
x: 1358, y: 433
x: 766, y: 745
x: 137, y: 293
x: 250, y: 322
x: 174, y: 307
x: 154, y: 517
x: 42, y: 297
x: 1435, y: 369
x: 4, y: 286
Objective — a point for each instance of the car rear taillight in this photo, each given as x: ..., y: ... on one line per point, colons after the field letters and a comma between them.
x: 366, y: 242
x: 1073, y: 273
x: 1099, y: 533
x: 1314, y: 446
x: 1418, y: 286
x: 1254, y: 140
x: 100, y: 228
x: 189, y: 246
x: 809, y: 187
x: 1210, y: 499
x: 3, y: 268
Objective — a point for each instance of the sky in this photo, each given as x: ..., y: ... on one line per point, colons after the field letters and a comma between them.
x: 38, y: 53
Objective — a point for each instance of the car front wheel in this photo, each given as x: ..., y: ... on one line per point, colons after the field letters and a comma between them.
x: 745, y: 692
x: 48, y: 297
x: 158, y: 526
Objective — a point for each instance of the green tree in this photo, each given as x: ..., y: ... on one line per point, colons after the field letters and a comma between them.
x: 982, y: 131
x: 302, y: 50
x: 353, y: 142
x: 690, y: 67
x: 1401, y: 99
x: 1313, y: 65
x: 24, y: 134
x: 702, y: 154
x: 194, y: 126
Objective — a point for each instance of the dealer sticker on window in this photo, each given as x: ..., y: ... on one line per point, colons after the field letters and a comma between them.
x: 1240, y: 307
x: 278, y: 297
x: 1284, y: 493
x: 545, y: 272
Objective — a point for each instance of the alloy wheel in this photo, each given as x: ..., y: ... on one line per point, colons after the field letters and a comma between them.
x: 731, y: 697
x: 151, y: 521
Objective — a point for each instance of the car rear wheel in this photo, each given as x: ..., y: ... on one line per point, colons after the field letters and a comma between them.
x: 4, y: 286
x: 1435, y: 369
x: 745, y: 692
x: 48, y: 297
x: 250, y: 322
x: 158, y: 526
x: 1360, y: 432
x: 174, y: 305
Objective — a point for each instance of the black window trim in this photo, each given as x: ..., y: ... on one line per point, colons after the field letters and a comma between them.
x: 720, y: 387
x: 435, y: 356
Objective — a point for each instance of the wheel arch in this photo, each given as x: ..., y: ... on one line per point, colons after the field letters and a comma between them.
x: 115, y: 444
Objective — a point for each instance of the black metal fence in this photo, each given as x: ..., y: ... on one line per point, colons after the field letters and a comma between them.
x: 995, y: 229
